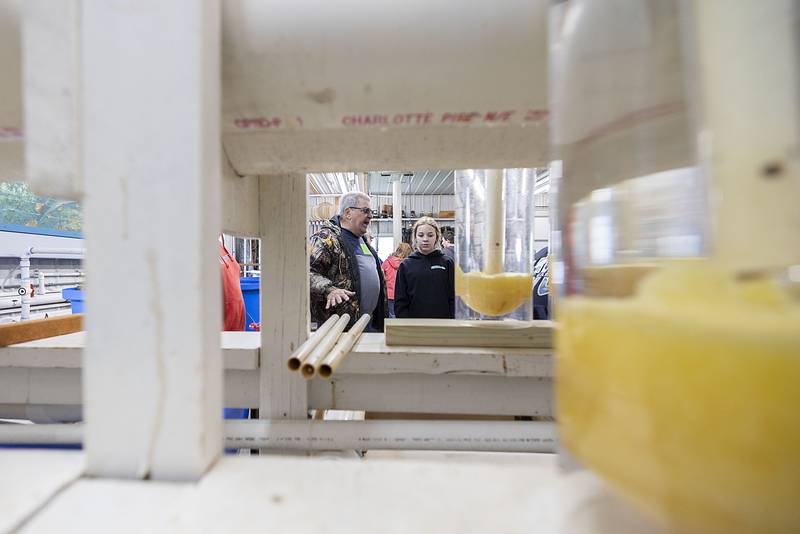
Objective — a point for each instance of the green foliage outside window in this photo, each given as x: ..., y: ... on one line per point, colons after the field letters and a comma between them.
x: 21, y: 206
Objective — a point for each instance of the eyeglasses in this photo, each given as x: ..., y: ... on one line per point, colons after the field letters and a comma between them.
x: 365, y: 211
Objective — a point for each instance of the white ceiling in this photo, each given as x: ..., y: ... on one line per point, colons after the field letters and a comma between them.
x: 414, y: 183
x: 334, y: 183
x: 380, y: 182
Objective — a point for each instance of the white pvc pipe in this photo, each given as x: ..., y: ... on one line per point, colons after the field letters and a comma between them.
x: 397, y: 212
x: 14, y: 302
x: 25, y: 282
x: 506, y: 436
x: 495, y: 242
x: 489, y: 436
x: 43, y: 413
x: 66, y: 280
x: 61, y: 251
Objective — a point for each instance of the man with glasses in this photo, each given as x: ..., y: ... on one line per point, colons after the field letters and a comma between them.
x: 345, y: 270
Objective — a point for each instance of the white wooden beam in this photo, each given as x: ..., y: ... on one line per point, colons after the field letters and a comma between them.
x: 151, y: 106
x: 240, y: 203
x: 260, y: 152
x: 11, y: 87
x: 48, y: 372
x: 397, y: 211
x: 448, y: 394
x: 51, y: 46
x: 284, y: 294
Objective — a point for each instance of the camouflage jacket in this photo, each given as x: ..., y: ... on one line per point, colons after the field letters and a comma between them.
x: 333, y: 264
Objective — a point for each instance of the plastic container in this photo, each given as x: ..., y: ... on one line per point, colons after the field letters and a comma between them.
x: 677, y: 369
x: 75, y: 298
x: 494, y: 243
x: 236, y: 413
x: 251, y: 288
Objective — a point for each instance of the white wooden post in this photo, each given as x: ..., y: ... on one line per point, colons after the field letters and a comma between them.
x: 397, y: 211
x: 52, y: 106
x: 284, y: 294
x: 150, y: 119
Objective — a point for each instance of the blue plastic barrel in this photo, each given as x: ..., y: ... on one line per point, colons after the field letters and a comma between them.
x: 251, y: 288
x: 75, y: 298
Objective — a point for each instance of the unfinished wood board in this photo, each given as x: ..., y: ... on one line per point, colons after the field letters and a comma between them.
x: 456, y: 394
x: 394, y: 492
x: 284, y: 293
x: 419, y: 393
x: 23, y: 331
x: 371, y: 355
x: 460, y: 333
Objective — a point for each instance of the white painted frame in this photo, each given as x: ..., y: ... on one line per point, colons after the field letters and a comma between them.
x: 150, y: 93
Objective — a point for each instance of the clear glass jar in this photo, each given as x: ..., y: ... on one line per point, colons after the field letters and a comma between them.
x: 677, y: 355
x: 494, y: 243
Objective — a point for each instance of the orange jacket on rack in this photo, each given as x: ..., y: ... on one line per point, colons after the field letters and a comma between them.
x: 232, y: 299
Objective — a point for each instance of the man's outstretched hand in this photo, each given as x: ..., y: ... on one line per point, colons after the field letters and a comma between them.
x: 337, y: 296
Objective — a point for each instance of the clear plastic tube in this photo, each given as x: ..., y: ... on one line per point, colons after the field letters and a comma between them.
x: 494, y: 243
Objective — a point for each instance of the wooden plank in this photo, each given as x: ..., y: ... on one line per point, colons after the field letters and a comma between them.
x: 449, y: 393
x: 240, y: 202
x: 457, y: 394
x: 153, y: 368
x: 240, y: 351
x: 284, y: 294
x: 371, y: 355
x: 64, y: 387
x: 460, y: 333
x: 32, y: 330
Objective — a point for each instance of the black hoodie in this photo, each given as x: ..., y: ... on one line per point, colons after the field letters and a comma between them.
x: 425, y: 287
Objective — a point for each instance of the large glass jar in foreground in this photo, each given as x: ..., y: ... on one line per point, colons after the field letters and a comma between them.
x: 494, y: 243
x: 679, y: 339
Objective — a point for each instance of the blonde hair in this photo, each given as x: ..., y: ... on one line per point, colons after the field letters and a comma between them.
x: 402, y: 251
x: 432, y: 223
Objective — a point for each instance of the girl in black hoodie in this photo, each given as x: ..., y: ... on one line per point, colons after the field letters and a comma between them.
x: 425, y: 283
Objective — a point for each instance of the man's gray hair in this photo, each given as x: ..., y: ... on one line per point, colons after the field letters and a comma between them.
x: 350, y: 200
